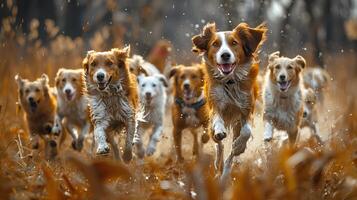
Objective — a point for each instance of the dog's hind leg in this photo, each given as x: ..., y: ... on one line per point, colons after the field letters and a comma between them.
x: 155, y: 137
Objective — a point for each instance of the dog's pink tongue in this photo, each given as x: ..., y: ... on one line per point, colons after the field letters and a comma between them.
x: 226, y: 68
x: 284, y: 85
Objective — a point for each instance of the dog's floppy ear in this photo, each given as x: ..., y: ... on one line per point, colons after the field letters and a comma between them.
x: 58, y: 75
x: 85, y: 62
x: 44, y: 79
x: 272, y: 58
x: 163, y: 79
x: 300, y: 61
x: 173, y: 71
x: 19, y: 81
x: 200, y: 42
x: 251, y: 38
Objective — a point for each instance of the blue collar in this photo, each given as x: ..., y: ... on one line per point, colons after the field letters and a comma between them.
x: 197, y: 105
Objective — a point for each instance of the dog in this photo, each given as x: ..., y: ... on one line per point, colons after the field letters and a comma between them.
x: 283, y: 99
x: 113, y: 98
x: 38, y: 101
x: 190, y: 109
x: 72, y: 106
x: 139, y: 66
x: 230, y: 59
x: 309, y: 116
x: 160, y: 54
x: 317, y: 79
x: 152, y: 95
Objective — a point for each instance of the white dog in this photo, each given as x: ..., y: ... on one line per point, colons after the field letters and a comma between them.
x: 152, y: 95
x: 72, y: 106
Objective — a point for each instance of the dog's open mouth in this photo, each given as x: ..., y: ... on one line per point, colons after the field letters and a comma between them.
x: 226, y: 68
x: 33, y: 105
x: 69, y: 96
x: 187, y: 94
x: 103, y: 85
x: 284, y: 85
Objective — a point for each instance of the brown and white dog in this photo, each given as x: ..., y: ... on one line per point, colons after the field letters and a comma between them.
x: 230, y: 58
x: 309, y: 116
x: 190, y: 109
x: 283, y: 100
x: 113, y: 98
x: 72, y: 106
x: 38, y: 101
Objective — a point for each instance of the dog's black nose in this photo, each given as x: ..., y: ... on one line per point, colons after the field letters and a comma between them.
x: 282, y: 77
x: 225, y: 56
x: 100, y: 76
x: 148, y: 95
x: 304, y: 114
x: 31, y: 99
x: 186, y: 85
x: 67, y: 91
x: 52, y: 143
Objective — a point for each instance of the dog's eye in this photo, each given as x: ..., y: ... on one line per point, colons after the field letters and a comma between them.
x: 74, y: 80
x: 27, y: 91
x: 290, y: 67
x: 215, y: 44
x: 37, y: 90
x: 93, y: 64
x: 194, y: 76
x: 234, y: 42
x: 153, y: 85
x: 182, y: 77
x: 63, y: 80
x: 143, y: 85
x: 109, y: 63
x: 277, y: 67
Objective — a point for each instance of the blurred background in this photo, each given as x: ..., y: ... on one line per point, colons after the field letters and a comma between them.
x: 314, y: 27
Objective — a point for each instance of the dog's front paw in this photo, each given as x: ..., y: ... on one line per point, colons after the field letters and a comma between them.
x: 56, y: 130
x: 150, y: 150
x: 128, y: 155
x: 267, y: 139
x: 103, y: 149
x: 220, y: 136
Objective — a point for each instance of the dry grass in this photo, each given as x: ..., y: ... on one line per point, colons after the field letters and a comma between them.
x: 309, y: 171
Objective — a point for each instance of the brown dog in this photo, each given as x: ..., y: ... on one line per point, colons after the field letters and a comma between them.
x: 72, y: 106
x: 230, y: 58
x: 190, y: 110
x: 113, y: 98
x: 39, y: 103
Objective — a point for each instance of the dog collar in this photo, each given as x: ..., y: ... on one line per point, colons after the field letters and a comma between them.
x: 197, y: 105
x: 230, y: 82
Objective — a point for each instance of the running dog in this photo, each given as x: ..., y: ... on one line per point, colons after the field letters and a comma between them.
x: 113, y: 98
